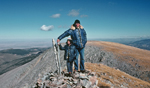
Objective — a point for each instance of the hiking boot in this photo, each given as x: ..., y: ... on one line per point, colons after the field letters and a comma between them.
x: 67, y: 74
x: 84, y: 71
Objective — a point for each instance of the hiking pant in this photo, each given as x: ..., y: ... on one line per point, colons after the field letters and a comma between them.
x: 81, y: 52
x: 69, y: 66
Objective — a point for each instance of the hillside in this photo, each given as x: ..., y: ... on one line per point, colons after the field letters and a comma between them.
x: 12, y: 58
x: 131, y: 60
x: 127, y: 59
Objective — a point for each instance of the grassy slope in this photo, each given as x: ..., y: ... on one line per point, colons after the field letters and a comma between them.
x: 116, y: 77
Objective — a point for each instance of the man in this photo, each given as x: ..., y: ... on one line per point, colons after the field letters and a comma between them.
x: 79, y: 39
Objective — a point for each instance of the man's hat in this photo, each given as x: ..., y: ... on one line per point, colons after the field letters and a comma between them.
x: 77, y: 21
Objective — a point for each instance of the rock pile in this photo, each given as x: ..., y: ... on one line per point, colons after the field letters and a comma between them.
x: 65, y: 80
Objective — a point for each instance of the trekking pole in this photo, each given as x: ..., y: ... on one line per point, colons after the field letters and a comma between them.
x: 59, y: 59
x: 55, y: 52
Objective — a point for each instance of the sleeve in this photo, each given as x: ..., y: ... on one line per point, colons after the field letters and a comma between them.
x: 65, y: 34
x: 85, y: 35
x: 61, y: 48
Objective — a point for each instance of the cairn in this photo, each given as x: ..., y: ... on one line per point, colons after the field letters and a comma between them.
x: 76, y: 80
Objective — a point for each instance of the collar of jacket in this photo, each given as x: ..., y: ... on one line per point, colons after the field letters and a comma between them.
x: 73, y: 28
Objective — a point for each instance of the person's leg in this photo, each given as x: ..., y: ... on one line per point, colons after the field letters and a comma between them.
x: 81, y: 59
x: 71, y: 64
x: 76, y: 61
x: 68, y: 66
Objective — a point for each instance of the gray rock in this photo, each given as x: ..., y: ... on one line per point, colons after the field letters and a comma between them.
x: 84, y: 82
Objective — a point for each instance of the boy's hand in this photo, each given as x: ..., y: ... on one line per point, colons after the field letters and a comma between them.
x: 58, y: 41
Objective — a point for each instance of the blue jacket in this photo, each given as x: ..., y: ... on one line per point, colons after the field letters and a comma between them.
x: 78, y: 36
x: 70, y: 52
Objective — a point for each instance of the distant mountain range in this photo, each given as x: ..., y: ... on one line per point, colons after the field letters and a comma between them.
x: 24, y: 43
x: 143, y: 44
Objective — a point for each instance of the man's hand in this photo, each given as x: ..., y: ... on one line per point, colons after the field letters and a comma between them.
x: 58, y: 41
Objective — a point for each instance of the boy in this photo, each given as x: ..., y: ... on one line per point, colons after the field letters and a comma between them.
x: 70, y: 54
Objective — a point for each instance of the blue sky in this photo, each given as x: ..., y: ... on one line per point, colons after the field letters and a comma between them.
x: 44, y: 19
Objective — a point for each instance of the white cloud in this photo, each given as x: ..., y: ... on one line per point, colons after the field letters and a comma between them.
x: 84, y: 16
x: 47, y: 28
x: 55, y: 16
x: 73, y: 12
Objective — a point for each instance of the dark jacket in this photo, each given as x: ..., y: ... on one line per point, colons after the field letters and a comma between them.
x: 78, y: 36
x: 70, y: 52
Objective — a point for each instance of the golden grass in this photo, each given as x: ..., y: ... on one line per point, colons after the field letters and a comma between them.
x: 103, y: 84
x: 116, y: 77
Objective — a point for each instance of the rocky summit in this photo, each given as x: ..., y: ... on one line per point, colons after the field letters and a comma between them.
x: 65, y: 80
